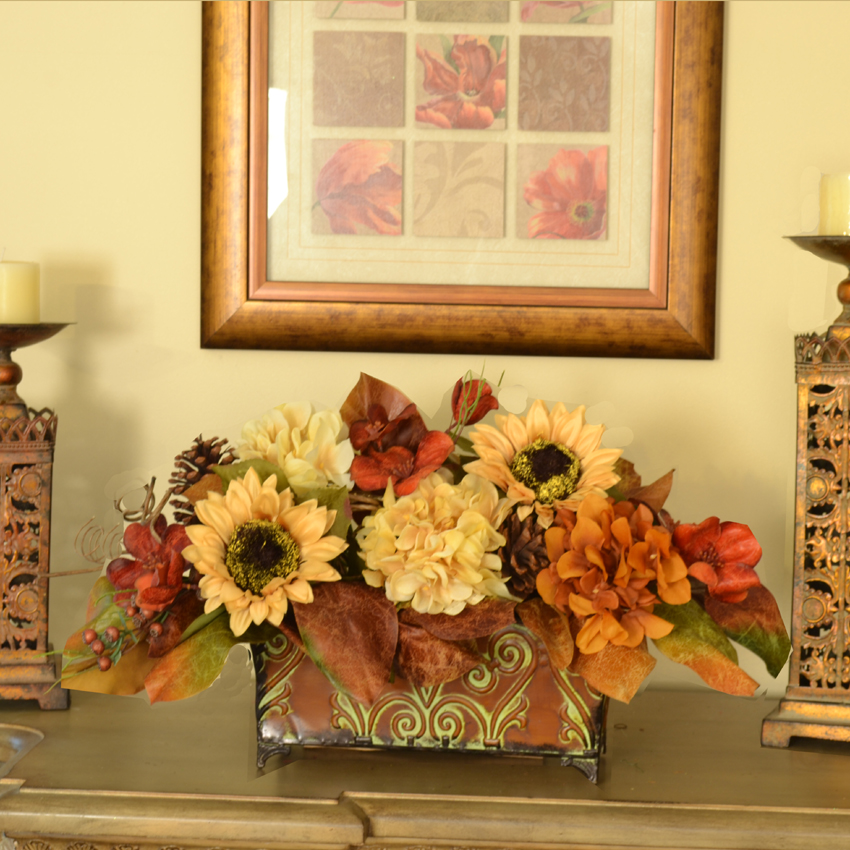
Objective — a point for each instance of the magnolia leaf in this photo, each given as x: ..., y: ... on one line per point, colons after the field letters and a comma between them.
x: 263, y: 468
x: 655, y: 495
x: 465, y: 445
x: 756, y: 624
x: 334, y: 499
x: 699, y: 643
x: 182, y: 614
x: 202, y: 622
x: 616, y: 671
x: 629, y: 480
x: 552, y: 627
x: 100, y: 598
x: 474, y: 621
x: 125, y: 678
x: 350, y: 630
x: 369, y: 391
x: 425, y: 659
x: 200, y: 490
x: 193, y: 665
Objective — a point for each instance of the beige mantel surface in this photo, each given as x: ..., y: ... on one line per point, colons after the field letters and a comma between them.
x: 682, y: 770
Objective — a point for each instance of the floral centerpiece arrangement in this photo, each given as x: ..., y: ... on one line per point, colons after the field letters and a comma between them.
x: 381, y: 548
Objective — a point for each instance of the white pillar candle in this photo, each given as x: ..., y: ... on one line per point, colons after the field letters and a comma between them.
x: 834, y: 205
x: 19, y: 288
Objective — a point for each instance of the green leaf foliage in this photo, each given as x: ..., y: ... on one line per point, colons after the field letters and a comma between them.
x: 756, y: 624
x: 699, y: 643
x: 263, y: 468
x: 100, y: 598
x: 194, y: 665
x: 496, y: 42
x: 334, y: 499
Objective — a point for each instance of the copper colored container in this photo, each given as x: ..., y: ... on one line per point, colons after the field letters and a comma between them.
x: 516, y: 703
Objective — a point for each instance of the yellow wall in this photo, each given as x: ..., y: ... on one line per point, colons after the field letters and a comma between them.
x: 99, y: 182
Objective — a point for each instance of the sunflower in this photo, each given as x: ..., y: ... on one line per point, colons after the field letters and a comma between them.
x: 256, y: 549
x: 544, y: 461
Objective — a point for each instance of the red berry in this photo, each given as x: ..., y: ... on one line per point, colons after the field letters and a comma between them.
x: 156, y: 630
x: 111, y: 634
x: 89, y: 635
x: 97, y: 647
x: 132, y: 610
x: 104, y: 663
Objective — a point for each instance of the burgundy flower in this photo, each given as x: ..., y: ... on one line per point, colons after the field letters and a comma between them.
x: 723, y: 555
x: 155, y: 570
x: 464, y: 398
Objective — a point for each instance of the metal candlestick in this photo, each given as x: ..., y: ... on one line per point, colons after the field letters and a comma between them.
x: 817, y: 700
x: 27, y: 438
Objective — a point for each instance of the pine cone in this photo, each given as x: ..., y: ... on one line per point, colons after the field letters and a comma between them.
x: 191, y: 466
x: 524, y: 554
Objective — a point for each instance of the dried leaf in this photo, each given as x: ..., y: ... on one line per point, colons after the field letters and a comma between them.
x: 193, y: 665
x: 100, y: 598
x: 552, y: 627
x: 655, y: 494
x: 428, y: 660
x: 185, y: 609
x: 200, y: 490
x: 474, y: 621
x: 350, y: 630
x: 616, y: 671
x: 699, y: 643
x: 756, y: 624
x: 125, y: 678
x: 368, y: 391
x: 629, y: 479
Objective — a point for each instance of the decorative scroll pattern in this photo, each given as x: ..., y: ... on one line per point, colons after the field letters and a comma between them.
x: 820, y: 351
x: 26, y: 455
x: 822, y: 640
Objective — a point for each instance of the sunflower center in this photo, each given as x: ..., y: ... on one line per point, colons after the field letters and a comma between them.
x: 550, y: 469
x: 258, y: 552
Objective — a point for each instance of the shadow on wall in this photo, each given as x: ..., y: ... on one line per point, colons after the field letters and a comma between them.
x: 94, y: 429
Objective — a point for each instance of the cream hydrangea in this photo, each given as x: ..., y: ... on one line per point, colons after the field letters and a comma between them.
x: 256, y: 549
x: 435, y: 549
x: 310, y: 446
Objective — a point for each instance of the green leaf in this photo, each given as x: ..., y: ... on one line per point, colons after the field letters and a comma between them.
x: 202, y: 622
x: 100, y: 597
x: 263, y: 468
x: 465, y: 444
x: 698, y: 642
x: 194, y: 665
x: 689, y: 619
x: 496, y: 42
x: 334, y: 499
x: 448, y: 46
x: 756, y: 624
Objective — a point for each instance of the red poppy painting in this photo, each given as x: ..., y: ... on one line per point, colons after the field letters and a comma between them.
x: 570, y: 194
x: 359, y: 188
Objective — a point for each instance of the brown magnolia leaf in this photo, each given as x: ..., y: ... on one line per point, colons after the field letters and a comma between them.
x: 210, y: 483
x: 552, y: 627
x: 368, y: 391
x: 474, y: 621
x: 350, y: 630
x: 290, y: 631
x: 428, y: 660
x: 185, y: 609
x: 655, y: 495
x: 616, y: 671
x: 629, y: 479
x: 125, y: 678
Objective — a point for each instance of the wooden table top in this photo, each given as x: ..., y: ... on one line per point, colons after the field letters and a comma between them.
x: 682, y: 769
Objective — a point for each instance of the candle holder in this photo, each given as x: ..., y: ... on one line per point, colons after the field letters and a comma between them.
x: 817, y: 700
x: 27, y: 438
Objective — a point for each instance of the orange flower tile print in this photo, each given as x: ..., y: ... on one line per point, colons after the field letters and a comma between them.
x: 359, y: 186
x: 571, y: 194
x: 468, y: 82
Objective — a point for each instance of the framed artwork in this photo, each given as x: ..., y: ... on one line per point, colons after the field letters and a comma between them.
x: 535, y: 178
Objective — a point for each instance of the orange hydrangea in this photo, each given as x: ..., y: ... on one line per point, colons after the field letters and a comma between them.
x: 609, y: 567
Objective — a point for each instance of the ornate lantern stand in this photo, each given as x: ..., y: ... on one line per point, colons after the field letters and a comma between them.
x: 27, y: 438
x: 817, y: 700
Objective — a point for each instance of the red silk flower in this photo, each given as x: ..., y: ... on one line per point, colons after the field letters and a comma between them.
x: 465, y: 408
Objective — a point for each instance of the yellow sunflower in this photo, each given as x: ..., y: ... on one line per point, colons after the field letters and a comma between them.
x: 544, y: 461
x: 256, y: 549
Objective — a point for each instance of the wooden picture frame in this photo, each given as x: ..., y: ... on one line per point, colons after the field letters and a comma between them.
x: 673, y: 318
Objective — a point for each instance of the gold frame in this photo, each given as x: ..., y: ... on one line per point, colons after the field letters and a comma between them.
x: 673, y: 318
